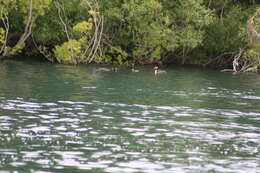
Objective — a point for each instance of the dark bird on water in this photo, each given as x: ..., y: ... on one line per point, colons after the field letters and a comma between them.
x: 157, y: 71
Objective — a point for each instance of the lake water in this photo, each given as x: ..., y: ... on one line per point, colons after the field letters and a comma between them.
x: 58, y: 118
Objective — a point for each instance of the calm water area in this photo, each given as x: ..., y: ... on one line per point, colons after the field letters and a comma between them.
x: 73, y: 119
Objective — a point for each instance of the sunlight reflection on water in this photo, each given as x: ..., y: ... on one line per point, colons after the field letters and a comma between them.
x: 181, y: 122
x: 113, y: 136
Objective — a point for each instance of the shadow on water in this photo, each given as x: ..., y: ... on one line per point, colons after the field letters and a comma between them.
x: 59, y: 118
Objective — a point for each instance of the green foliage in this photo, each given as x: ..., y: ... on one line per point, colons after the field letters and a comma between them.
x: 14, y: 50
x: 2, y: 35
x: 83, y: 27
x: 117, y: 56
x: 69, y: 52
x: 251, y: 56
x: 138, y: 31
x: 72, y: 51
x: 48, y: 30
x: 257, y: 20
x: 141, y: 28
x: 39, y: 6
x: 149, y: 30
x: 19, y: 16
x: 7, y: 5
x: 226, y: 35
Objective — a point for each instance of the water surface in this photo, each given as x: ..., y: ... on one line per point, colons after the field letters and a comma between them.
x: 58, y: 118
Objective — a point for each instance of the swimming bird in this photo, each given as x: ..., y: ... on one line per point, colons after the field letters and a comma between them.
x: 113, y: 69
x: 103, y: 69
x: 157, y: 71
x: 134, y: 70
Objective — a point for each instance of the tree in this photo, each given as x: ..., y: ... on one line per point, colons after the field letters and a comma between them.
x: 29, y: 10
x: 79, y: 32
x: 154, y: 30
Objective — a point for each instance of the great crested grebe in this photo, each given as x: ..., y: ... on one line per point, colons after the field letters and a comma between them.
x: 113, y: 69
x: 134, y: 70
x: 103, y: 69
x: 157, y: 71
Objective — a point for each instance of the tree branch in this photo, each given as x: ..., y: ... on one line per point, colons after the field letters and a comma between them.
x: 61, y: 12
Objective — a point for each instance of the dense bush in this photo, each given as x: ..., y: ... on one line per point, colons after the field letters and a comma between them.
x: 201, y: 32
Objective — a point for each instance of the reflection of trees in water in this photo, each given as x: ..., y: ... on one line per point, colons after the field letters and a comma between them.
x: 71, y: 81
x: 199, y: 88
x: 12, y: 83
x: 24, y: 79
x: 192, y: 87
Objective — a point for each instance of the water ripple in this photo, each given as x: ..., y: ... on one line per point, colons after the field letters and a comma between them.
x: 119, y: 137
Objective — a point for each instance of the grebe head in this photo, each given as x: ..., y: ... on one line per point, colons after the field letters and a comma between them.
x: 157, y: 71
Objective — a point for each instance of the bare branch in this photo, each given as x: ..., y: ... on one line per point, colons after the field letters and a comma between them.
x: 62, y: 15
x: 45, y: 53
x: 5, y: 20
x: 254, y: 35
x: 28, y: 27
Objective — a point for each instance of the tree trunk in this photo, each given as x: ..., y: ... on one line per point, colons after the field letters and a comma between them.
x: 254, y: 35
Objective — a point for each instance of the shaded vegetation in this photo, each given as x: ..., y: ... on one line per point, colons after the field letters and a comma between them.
x: 221, y: 33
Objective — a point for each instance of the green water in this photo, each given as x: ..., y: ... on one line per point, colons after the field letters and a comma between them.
x: 57, y: 118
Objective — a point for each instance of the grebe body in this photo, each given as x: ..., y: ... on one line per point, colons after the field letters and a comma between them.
x: 157, y: 71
